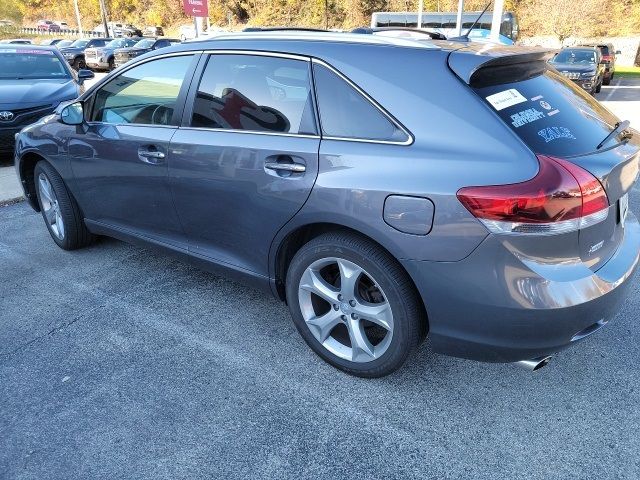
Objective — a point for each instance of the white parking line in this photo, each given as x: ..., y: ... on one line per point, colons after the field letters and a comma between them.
x: 613, y: 89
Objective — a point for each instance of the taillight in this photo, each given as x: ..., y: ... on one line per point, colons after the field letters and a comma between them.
x: 561, y: 198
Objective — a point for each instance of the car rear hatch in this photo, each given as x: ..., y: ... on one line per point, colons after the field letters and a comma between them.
x: 558, y: 121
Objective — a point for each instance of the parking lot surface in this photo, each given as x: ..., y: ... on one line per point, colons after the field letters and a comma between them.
x: 116, y: 362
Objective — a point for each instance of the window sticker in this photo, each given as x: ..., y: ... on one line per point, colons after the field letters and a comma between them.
x: 526, y: 116
x: 505, y: 99
x: 545, y: 105
x: 538, y: 97
x: 553, y: 133
x: 553, y: 112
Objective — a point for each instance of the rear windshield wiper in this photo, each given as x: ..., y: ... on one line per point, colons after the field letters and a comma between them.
x: 620, y: 127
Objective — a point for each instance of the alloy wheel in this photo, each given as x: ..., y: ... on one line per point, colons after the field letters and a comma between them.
x: 345, y: 309
x: 50, y: 206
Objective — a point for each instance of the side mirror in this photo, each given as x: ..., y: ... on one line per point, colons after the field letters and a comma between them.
x: 72, y: 114
x: 85, y: 75
x: 618, y: 52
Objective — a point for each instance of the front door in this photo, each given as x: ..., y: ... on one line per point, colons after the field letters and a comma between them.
x: 120, y: 161
x: 246, y: 158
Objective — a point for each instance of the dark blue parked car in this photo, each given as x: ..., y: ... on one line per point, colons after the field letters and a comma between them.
x: 386, y: 189
x: 33, y: 81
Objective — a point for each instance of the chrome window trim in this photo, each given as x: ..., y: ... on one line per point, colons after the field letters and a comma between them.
x: 262, y: 53
x: 251, y: 132
x: 410, y: 137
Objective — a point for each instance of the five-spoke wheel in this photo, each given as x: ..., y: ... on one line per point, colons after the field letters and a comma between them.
x: 354, y: 304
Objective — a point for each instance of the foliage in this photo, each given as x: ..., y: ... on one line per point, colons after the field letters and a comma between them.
x: 562, y: 18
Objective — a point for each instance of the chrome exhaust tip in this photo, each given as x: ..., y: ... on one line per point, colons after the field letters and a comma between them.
x: 535, y: 363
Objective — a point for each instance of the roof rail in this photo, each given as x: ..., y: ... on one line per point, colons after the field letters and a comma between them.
x: 371, y: 30
x: 283, y: 29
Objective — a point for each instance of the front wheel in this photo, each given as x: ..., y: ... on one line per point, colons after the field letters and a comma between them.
x: 59, y: 209
x: 79, y: 64
x: 354, y: 305
x: 599, y: 86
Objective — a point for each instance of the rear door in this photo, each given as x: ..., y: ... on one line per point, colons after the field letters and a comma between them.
x: 554, y: 117
x: 246, y: 156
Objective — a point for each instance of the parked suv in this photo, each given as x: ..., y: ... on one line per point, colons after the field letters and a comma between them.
x: 102, y: 58
x: 497, y: 224
x: 609, y: 58
x: 74, y: 53
x: 123, y: 55
x: 583, y: 65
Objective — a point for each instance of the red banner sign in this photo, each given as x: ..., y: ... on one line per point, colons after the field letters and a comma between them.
x: 196, y: 8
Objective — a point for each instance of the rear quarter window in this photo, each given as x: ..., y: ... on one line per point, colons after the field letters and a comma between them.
x: 550, y: 114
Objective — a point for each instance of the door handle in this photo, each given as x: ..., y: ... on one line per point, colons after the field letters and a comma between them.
x: 287, y: 167
x: 148, y: 154
x: 151, y: 155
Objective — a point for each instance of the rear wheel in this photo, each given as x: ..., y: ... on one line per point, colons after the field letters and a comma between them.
x: 354, y: 305
x: 59, y: 209
x: 112, y: 64
x: 607, y: 80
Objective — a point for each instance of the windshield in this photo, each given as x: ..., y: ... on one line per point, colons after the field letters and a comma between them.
x: 117, y: 43
x: 578, y: 57
x: 19, y: 64
x: 79, y: 43
x: 64, y: 43
x: 146, y: 43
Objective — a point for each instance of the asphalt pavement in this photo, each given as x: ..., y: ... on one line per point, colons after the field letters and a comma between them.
x: 116, y: 362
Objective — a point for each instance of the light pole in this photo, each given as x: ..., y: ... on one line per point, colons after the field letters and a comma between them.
x: 75, y: 6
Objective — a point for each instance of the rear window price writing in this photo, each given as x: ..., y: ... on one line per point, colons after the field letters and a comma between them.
x: 526, y: 116
x: 554, y: 133
x: 506, y: 98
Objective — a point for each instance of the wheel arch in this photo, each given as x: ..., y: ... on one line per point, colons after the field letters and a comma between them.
x: 28, y: 162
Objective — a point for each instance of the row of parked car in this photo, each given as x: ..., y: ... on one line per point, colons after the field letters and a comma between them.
x: 115, y: 29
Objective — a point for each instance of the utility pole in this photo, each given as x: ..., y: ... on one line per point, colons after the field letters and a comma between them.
x: 459, y: 18
x: 496, y: 20
x: 75, y: 5
x: 326, y: 14
x: 103, y: 13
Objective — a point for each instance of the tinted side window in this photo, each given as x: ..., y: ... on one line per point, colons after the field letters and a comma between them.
x: 145, y: 94
x: 257, y: 93
x: 345, y: 113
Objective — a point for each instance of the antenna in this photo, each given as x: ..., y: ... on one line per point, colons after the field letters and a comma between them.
x: 466, y: 35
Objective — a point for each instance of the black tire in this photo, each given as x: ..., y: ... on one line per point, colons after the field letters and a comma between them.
x: 409, y: 318
x: 76, y: 234
x: 112, y: 64
x: 606, y: 80
x: 78, y: 64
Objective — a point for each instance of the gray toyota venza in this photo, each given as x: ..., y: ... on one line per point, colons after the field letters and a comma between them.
x: 389, y: 190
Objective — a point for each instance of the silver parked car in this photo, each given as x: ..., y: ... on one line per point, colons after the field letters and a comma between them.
x: 389, y: 190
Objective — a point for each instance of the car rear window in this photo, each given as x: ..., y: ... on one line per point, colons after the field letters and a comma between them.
x: 604, y: 49
x: 550, y: 114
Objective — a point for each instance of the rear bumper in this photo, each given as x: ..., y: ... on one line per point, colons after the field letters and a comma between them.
x: 496, y: 307
x: 94, y: 63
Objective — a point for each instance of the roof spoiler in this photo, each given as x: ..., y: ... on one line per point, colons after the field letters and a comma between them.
x: 481, y: 65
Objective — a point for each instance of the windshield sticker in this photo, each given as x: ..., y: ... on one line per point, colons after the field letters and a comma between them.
x: 526, y: 116
x: 506, y: 98
x: 553, y: 133
x: 539, y: 97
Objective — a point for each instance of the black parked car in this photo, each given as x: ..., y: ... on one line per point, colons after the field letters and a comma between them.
x: 609, y: 60
x: 123, y: 55
x: 583, y: 65
x: 74, y: 53
x: 34, y: 80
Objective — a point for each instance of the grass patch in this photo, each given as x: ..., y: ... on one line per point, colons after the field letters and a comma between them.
x: 628, y: 71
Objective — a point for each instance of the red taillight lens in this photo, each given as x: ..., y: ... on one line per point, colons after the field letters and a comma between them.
x: 562, y: 197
